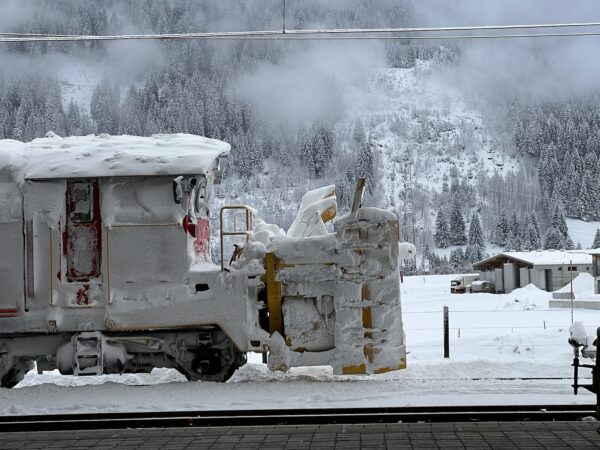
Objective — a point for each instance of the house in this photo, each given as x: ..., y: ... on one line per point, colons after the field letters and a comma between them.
x: 547, y: 269
x: 595, y: 254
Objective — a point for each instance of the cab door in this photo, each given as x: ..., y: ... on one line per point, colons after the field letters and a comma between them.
x: 83, y: 231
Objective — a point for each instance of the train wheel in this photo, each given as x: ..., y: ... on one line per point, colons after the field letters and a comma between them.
x: 215, y: 361
x: 15, y: 374
x: 215, y: 367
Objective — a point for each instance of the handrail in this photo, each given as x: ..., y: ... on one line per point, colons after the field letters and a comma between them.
x: 248, y: 210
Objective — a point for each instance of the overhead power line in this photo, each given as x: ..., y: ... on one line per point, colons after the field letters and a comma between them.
x: 411, y: 37
x: 33, y: 34
x: 339, y: 33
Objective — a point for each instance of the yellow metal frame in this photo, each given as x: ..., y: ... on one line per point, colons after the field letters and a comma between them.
x: 367, y: 323
x: 360, y: 369
x: 274, y: 291
x: 329, y: 213
x: 273, y: 295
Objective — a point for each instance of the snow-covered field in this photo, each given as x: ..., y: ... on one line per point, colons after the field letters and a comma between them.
x: 493, y: 337
x: 582, y: 232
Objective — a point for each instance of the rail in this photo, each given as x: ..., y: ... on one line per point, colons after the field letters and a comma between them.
x: 225, y: 418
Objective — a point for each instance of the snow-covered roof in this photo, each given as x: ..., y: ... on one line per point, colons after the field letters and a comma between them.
x: 540, y: 257
x: 593, y: 251
x: 107, y: 156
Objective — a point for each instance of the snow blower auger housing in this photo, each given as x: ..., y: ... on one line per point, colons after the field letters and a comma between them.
x: 106, y: 267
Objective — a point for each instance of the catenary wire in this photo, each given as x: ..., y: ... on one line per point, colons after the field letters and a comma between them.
x: 377, y: 30
x: 457, y: 311
x: 287, y: 37
x: 35, y: 34
x: 320, y: 34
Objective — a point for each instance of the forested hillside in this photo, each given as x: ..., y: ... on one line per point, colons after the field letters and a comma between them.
x: 490, y: 163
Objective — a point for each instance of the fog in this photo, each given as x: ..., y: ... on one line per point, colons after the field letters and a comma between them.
x: 309, y: 80
x: 520, y: 69
x: 311, y: 83
x: 13, y: 13
x: 492, y: 74
x: 505, y: 12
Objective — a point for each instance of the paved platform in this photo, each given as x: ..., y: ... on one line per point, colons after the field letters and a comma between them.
x: 478, y: 435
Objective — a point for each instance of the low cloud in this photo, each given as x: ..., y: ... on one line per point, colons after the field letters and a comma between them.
x: 311, y: 82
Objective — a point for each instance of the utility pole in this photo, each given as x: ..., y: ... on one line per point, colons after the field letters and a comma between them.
x: 283, y: 17
x: 446, y: 333
x: 408, y: 215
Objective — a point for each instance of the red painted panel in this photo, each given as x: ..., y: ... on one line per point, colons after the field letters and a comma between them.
x: 202, y: 242
x: 9, y: 312
x: 82, y: 295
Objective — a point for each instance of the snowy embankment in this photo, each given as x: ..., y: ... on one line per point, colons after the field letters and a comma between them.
x: 492, y: 338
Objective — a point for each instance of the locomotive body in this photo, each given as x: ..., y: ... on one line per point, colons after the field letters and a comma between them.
x: 105, y: 267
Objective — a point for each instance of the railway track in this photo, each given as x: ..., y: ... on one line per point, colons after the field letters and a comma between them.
x: 169, y: 419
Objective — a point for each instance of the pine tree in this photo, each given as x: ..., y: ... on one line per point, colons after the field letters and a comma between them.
x: 568, y: 243
x: 364, y: 165
x: 502, y: 230
x: 358, y: 134
x: 305, y: 148
x: 240, y: 152
x: 444, y: 265
x: 530, y: 238
x: 457, y: 258
x: 442, y: 232
x: 558, y: 221
x: 22, y: 115
x: 553, y: 239
x: 596, y: 243
x: 577, y: 188
x: 476, y: 244
x: 344, y: 189
x: 519, y: 134
x: 457, y: 225
x: 475, y: 232
x: 434, y: 262
x: 535, y: 236
x: 131, y: 117
x: 319, y: 157
x: 513, y: 242
x: 426, y: 256
x: 105, y: 107
x: 73, y: 120
x: 315, y: 148
x: 473, y: 254
x: 591, y: 183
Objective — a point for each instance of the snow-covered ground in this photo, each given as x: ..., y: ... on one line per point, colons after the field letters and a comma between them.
x: 582, y: 232
x: 493, y: 337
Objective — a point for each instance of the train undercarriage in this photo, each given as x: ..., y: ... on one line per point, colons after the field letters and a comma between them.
x: 205, y: 354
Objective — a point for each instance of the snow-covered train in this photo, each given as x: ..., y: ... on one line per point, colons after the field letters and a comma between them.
x: 105, y: 267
